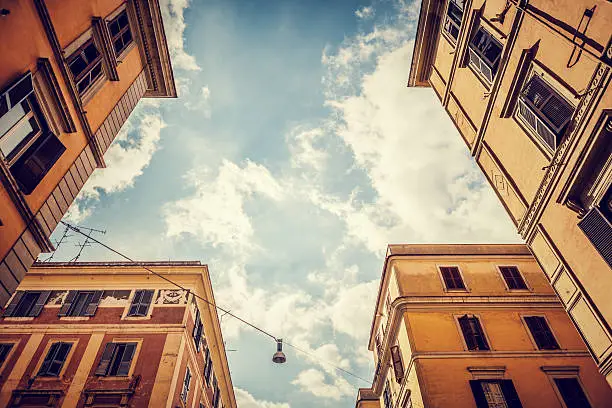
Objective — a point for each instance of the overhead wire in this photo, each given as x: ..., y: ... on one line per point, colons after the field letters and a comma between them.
x: 225, y: 311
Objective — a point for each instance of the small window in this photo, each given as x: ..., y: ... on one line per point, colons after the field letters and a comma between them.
x: 27, y: 145
x: 208, y: 365
x: 186, y: 384
x: 454, y: 15
x: 27, y: 304
x: 216, y: 392
x: 495, y: 394
x: 86, y: 65
x: 54, y: 360
x: 81, y: 303
x: 116, y: 359
x: 513, y: 277
x: 398, y: 363
x: 544, y: 111
x: 572, y: 393
x: 473, y: 333
x: 141, y: 303
x: 541, y: 333
x: 387, y: 396
x: 452, y: 278
x: 120, y: 32
x: 485, y: 53
x: 197, y: 331
x: 5, y: 349
x: 597, y: 226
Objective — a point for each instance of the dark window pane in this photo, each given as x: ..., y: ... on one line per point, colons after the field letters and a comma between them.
x: 452, y: 277
x: 513, y: 277
x: 91, y: 52
x: 10, y: 118
x: 21, y: 90
x: 26, y: 304
x: 114, y: 27
x: 5, y: 349
x: 122, y: 20
x: 77, y: 66
x: 572, y: 393
x: 541, y: 333
x: 80, y: 304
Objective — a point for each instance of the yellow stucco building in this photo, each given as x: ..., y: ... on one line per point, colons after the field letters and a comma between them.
x: 475, y: 326
x: 88, y: 334
x: 71, y: 72
x: 526, y: 82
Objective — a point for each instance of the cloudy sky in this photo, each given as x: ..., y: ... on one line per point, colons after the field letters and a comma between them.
x: 292, y: 157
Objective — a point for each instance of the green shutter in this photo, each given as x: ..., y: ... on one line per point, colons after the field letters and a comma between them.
x: 40, y: 303
x: 126, y: 359
x: 10, y: 309
x: 67, y: 303
x: 91, y: 308
x: 105, y: 360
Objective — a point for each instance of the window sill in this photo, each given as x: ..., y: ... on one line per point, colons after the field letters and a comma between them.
x: 75, y: 318
x: 125, y: 52
x: 89, y: 93
x: 136, y: 318
x: 19, y: 319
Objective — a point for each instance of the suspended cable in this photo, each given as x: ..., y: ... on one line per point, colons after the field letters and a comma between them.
x: 225, y: 311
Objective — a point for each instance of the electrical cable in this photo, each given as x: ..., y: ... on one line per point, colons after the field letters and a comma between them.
x: 225, y: 311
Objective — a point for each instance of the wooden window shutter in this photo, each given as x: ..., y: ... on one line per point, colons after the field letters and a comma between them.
x: 479, y: 396
x: 135, y: 303
x: 398, y: 364
x: 126, y: 359
x: 512, y: 398
x: 40, y: 303
x: 598, y: 230
x: 58, y: 360
x: 93, y: 305
x: 10, y: 309
x: 44, y: 368
x: 34, y: 164
x: 106, y: 358
x: 67, y: 303
x: 145, y: 302
x: 468, y: 334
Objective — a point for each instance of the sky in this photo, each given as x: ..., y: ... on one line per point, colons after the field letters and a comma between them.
x: 292, y: 157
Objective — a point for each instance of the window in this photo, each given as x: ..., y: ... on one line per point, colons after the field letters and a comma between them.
x: 86, y: 65
x: 454, y: 15
x: 141, y: 303
x: 513, y: 277
x: 27, y: 304
x: 116, y: 359
x: 216, y: 392
x: 541, y: 333
x: 572, y: 393
x: 186, y: 383
x: 5, y: 349
x: 597, y: 226
x: 55, y: 359
x: 120, y: 32
x: 495, y: 394
x: 197, y: 330
x: 81, y: 303
x: 484, y: 54
x: 544, y: 111
x: 387, y: 396
x: 207, y: 364
x: 452, y: 278
x: 398, y: 364
x: 26, y: 144
x: 472, y: 333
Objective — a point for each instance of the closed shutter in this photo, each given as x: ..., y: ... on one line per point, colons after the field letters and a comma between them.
x: 93, y: 304
x: 34, y: 164
x: 398, y: 364
x: 65, y: 309
x: 10, y: 309
x: 479, y: 397
x: 558, y: 112
x: 537, y: 92
x: 59, y: 358
x: 145, y: 302
x: 598, y: 230
x: 40, y: 303
x: 106, y: 358
x: 135, y: 303
x: 126, y: 359
x: 512, y: 398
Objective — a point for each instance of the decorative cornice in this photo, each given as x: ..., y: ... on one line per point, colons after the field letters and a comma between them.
x: 558, y: 162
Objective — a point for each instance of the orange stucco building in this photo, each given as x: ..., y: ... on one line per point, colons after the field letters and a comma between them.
x: 526, y: 82
x: 106, y: 334
x: 475, y: 326
x: 71, y: 71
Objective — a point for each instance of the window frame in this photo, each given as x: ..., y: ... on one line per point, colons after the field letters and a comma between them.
x: 441, y: 276
x: 527, y: 287
x: 14, y: 344
x: 505, y: 384
x: 131, y: 27
x: 491, y: 33
x: 453, y: 41
x: 184, y: 396
x: 536, y: 68
x: 560, y: 394
x: 32, y: 313
x: 482, y: 328
x: 565, y: 372
x: 74, y: 343
x: 72, y: 49
x: 120, y: 340
x: 533, y: 339
x: 126, y: 312
x: 68, y: 313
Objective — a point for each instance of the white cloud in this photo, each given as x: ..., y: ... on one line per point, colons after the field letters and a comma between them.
x: 174, y: 26
x: 201, y: 103
x: 245, y: 400
x: 314, y: 381
x: 365, y: 12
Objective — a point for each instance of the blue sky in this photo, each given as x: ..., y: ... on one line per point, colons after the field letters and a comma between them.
x: 292, y: 157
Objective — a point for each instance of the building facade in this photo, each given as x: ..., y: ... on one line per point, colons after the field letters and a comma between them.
x: 71, y: 72
x: 475, y: 326
x: 108, y: 334
x: 526, y: 83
